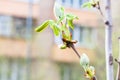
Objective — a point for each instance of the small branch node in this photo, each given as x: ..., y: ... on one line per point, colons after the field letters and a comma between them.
x: 110, y: 59
x: 70, y: 44
x: 118, y: 37
x: 117, y: 61
x: 107, y: 23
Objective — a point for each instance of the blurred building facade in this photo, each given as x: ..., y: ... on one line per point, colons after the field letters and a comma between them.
x: 47, y: 61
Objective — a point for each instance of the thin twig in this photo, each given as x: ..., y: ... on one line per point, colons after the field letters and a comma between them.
x: 73, y: 47
x: 70, y: 44
x: 100, y: 11
x: 118, y: 71
x: 99, y: 8
x: 118, y: 61
x: 94, y: 78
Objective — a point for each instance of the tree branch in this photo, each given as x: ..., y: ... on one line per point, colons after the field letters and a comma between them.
x: 118, y: 71
x: 108, y: 37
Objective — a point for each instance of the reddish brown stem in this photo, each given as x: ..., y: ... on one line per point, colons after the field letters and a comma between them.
x: 94, y: 78
x: 73, y: 47
x: 99, y: 8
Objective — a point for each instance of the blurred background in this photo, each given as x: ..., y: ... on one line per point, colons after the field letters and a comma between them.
x: 27, y: 55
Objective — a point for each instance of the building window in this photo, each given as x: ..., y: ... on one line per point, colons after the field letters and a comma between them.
x: 70, y: 72
x: 13, y: 69
x: 5, y: 23
x: 13, y: 26
x: 19, y: 27
x: 84, y: 35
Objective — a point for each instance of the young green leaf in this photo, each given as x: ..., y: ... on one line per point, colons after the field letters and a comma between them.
x: 84, y: 60
x: 56, y: 30
x: 87, y: 4
x: 58, y: 10
x: 66, y: 35
x: 90, y: 72
x: 70, y: 18
x: 62, y: 46
x: 92, y: 69
x: 42, y: 26
x: 54, y: 27
x: 60, y: 19
x: 70, y: 23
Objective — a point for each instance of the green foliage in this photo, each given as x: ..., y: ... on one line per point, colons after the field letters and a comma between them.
x: 70, y: 18
x: 55, y: 27
x: 90, y: 4
x: 62, y: 46
x: 89, y: 70
x: 84, y: 60
x: 61, y: 26
x: 42, y: 26
x: 66, y: 34
x: 87, y: 4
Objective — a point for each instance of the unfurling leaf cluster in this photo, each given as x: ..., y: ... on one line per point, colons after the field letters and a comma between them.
x: 61, y: 25
x: 89, y: 70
